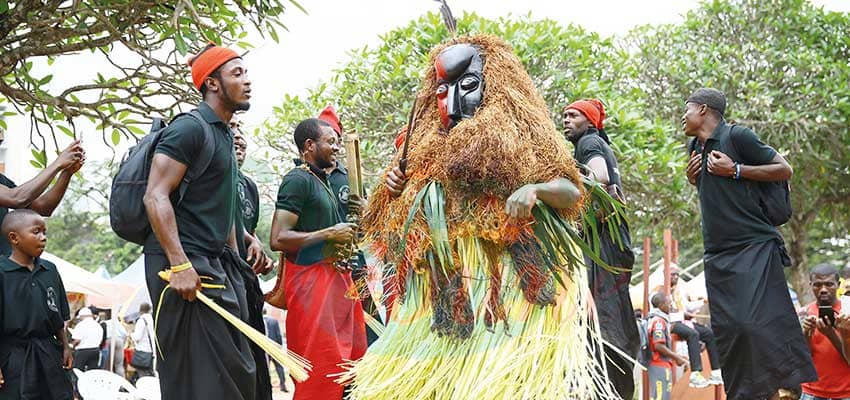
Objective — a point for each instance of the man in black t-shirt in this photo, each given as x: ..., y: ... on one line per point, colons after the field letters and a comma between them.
x: 744, y: 254
x: 202, y: 355
x: 583, y: 126
x: 32, y: 194
x: 250, y: 248
x: 251, y: 251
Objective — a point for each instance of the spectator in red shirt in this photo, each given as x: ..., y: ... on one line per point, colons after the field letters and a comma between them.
x: 661, y: 366
x: 829, y: 345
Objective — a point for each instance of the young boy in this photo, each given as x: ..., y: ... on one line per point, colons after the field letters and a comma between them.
x: 33, y: 311
x: 661, y: 366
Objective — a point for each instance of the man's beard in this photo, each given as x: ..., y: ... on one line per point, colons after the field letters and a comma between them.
x: 574, y: 136
x: 236, y: 106
x: 322, y: 163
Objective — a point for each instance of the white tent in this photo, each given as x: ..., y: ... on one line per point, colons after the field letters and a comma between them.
x: 134, y: 277
x: 98, y: 291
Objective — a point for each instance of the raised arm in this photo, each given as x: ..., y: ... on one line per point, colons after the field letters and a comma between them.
x: 26, y: 194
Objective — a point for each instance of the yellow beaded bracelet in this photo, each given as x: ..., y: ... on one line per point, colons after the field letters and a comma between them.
x: 181, y: 267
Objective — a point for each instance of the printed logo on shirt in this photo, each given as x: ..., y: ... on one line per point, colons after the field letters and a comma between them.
x: 658, y: 334
x: 248, y: 210
x: 344, y: 192
x: 51, y: 300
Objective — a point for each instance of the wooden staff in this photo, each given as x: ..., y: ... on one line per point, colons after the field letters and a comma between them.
x: 352, y: 162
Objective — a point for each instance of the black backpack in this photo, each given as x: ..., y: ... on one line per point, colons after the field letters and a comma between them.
x: 127, y: 213
x: 774, y: 198
x: 645, y: 353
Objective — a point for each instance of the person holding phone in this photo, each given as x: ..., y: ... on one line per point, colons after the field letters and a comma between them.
x: 827, y: 342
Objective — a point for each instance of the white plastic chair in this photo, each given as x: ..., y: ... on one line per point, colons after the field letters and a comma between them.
x: 99, y: 384
x: 147, y: 388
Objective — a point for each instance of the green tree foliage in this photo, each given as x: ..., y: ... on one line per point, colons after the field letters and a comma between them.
x: 140, y: 48
x: 783, y: 66
x: 374, y: 92
x: 782, y: 63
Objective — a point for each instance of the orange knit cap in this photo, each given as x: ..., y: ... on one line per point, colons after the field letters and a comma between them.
x: 593, y: 109
x: 207, y: 61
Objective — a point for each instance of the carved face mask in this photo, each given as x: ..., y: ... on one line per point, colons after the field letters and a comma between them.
x: 460, y: 81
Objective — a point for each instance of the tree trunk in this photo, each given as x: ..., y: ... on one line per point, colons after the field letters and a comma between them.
x: 799, y: 270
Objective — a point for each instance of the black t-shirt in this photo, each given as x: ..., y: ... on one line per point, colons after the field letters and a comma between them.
x: 5, y: 248
x: 731, y: 216
x: 305, y: 192
x: 591, y: 145
x: 32, y: 304
x: 206, y: 214
x: 249, y: 202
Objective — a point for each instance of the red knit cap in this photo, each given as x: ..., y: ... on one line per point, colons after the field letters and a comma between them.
x: 329, y: 115
x: 593, y: 110
x: 207, y: 61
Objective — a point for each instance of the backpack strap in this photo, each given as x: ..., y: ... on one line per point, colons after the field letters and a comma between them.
x: 202, y: 162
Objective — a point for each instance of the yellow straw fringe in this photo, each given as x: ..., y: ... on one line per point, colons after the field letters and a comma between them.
x: 373, y: 323
x: 542, y: 353
x: 296, y: 365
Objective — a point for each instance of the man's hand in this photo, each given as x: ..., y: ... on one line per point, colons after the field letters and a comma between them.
x: 396, y: 180
x: 342, y: 233
x: 521, y: 202
x: 71, y: 155
x: 825, y: 329
x: 186, y: 283
x: 256, y: 256
x: 356, y: 204
x: 67, y: 358
x: 809, y: 323
x: 842, y: 323
x: 694, y: 166
x: 76, y: 166
x: 2, y: 381
x: 720, y: 164
x: 680, y: 360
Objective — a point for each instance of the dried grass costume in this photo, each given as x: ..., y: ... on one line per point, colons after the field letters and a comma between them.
x: 487, y: 307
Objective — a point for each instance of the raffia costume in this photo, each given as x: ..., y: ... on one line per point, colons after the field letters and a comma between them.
x: 486, y: 307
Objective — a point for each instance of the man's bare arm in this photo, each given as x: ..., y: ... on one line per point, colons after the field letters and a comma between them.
x: 165, y: 176
x: 24, y: 195
x: 45, y: 204
x: 777, y: 170
x: 599, y: 170
x: 284, y: 238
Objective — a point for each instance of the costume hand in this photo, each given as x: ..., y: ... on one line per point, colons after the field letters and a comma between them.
x: 521, y: 202
x: 356, y: 204
x: 694, y: 166
x: 67, y: 358
x: 71, y: 155
x: 720, y: 164
x: 341, y: 233
x: 809, y: 323
x: 186, y: 283
x: 396, y: 180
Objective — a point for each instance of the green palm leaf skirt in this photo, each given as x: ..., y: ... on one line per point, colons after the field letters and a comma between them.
x: 522, y: 331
